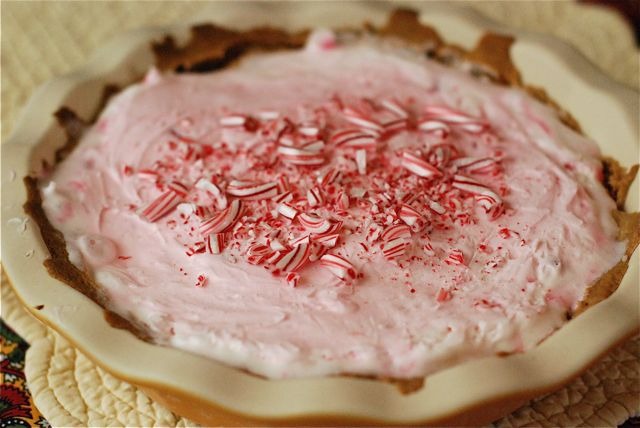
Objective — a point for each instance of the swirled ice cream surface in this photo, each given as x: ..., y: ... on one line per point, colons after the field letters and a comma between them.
x: 344, y: 208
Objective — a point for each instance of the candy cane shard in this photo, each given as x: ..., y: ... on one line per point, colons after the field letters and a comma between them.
x: 222, y: 221
x: 486, y: 198
x: 332, y: 176
x: 294, y: 259
x: 436, y: 207
x: 361, y: 161
x: 292, y: 279
x: 437, y: 127
x: 313, y: 223
x: 287, y: 211
x: 440, y: 154
x: 329, y: 240
x: 456, y: 118
x: 235, y: 120
x: 342, y: 200
x: 419, y: 166
x: 475, y: 165
x: 308, y: 129
x: 394, y: 248
x: 166, y: 202
x: 360, y: 119
x: 395, y: 108
x: 253, y: 191
x: 314, y: 197
x: 339, y: 266
x: 214, y: 243
x: 410, y: 215
x: 455, y: 257
x: 258, y: 253
x: 298, y: 156
x: 397, y: 231
x: 355, y: 138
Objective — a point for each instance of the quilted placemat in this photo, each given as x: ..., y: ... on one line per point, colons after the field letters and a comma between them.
x: 44, y: 39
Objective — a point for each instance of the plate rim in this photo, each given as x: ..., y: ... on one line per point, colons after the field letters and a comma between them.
x: 62, y: 85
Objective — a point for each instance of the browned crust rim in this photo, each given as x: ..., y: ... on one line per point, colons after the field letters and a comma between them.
x: 212, y: 47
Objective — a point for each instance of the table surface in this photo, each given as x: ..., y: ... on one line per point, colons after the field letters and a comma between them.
x: 41, y: 40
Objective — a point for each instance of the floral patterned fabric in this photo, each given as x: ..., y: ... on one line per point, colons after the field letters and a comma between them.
x: 16, y: 405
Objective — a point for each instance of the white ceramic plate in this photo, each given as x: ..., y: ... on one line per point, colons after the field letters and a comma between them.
x: 203, y: 389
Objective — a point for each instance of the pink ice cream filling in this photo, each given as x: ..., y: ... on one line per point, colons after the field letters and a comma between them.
x: 347, y: 208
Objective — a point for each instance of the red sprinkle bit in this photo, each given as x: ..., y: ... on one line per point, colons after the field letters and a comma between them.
x: 443, y: 295
x: 293, y: 279
x: 202, y: 281
x: 455, y: 257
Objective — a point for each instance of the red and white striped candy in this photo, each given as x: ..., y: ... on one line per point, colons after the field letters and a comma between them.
x: 234, y: 120
x: 436, y: 127
x: 440, y: 154
x: 395, y: 125
x: 252, y: 192
x: 308, y: 129
x: 276, y: 245
x: 147, y: 174
x: 313, y: 223
x: 410, y: 215
x: 355, y: 138
x: 455, y: 257
x: 428, y: 249
x: 258, y: 250
x: 294, y: 259
x: 317, y: 251
x: 360, y: 119
x: 485, y: 197
x: 339, y: 266
x: 492, y: 204
x: 292, y: 279
x: 304, y: 239
x: 207, y: 186
x: 396, y: 231
x: 474, y: 165
x: 197, y: 248
x: 456, y: 118
x: 329, y: 240
x: 204, y: 211
x: 394, y: 248
x: 394, y: 107
x: 166, y: 202
x: 287, y: 211
x: 297, y: 156
x: 314, y: 197
x: 419, y: 166
x: 283, y: 184
x: 222, y: 221
x: 332, y: 176
x: 214, y: 243
x: 361, y: 161
x: 258, y: 253
x: 436, y: 207
x: 283, y: 197
x: 342, y: 200
x: 313, y: 146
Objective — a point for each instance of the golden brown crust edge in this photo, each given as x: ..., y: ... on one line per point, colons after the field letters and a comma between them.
x: 213, y: 47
